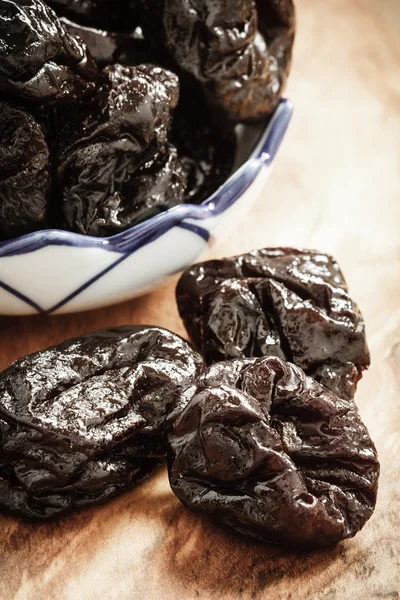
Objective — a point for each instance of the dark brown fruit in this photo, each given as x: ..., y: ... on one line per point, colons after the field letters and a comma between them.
x: 282, y: 302
x: 266, y: 451
x: 240, y: 52
x: 207, y: 153
x: 112, y: 15
x: 24, y: 173
x: 115, y: 165
x: 84, y: 420
x: 109, y: 47
x: 39, y: 61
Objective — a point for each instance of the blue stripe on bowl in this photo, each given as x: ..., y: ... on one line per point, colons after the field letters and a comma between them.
x: 200, y: 231
x: 20, y: 296
x: 87, y: 284
x: 144, y: 233
x: 188, y: 226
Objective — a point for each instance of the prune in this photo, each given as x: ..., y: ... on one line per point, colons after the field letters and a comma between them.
x: 106, y: 192
x: 241, y: 57
x: 135, y: 103
x: 283, y: 302
x: 158, y: 185
x: 108, y: 47
x: 114, y: 155
x: 207, y: 152
x: 84, y: 420
x: 112, y: 15
x: 268, y: 452
x: 24, y: 173
x: 39, y: 60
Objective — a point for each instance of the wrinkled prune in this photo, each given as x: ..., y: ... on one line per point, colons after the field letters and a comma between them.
x: 112, y: 15
x: 242, y: 58
x: 284, y: 302
x: 84, y: 420
x: 207, y: 152
x: 113, y: 152
x: 39, y: 60
x: 106, y: 191
x: 108, y: 47
x: 24, y: 173
x: 265, y: 450
x: 158, y: 185
x: 135, y: 103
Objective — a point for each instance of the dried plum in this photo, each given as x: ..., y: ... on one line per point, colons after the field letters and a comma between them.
x: 39, y: 60
x: 106, y: 191
x: 264, y: 450
x: 240, y: 56
x: 121, y: 147
x: 157, y: 186
x: 112, y: 15
x: 134, y: 103
x: 84, y: 420
x: 283, y: 302
x: 114, y: 155
x: 207, y: 152
x: 24, y: 173
x: 109, y: 47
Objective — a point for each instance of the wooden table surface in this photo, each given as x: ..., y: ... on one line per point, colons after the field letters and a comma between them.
x: 336, y: 187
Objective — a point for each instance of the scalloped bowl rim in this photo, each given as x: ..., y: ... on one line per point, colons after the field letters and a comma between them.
x: 216, y: 204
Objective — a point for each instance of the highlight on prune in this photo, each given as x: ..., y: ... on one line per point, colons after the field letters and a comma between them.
x: 138, y: 102
x: 110, y: 47
x: 240, y: 52
x: 116, y: 167
x: 282, y: 302
x: 24, y: 173
x: 266, y: 451
x: 40, y: 61
x: 84, y: 420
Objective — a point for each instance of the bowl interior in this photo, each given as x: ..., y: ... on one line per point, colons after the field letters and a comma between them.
x: 255, y: 145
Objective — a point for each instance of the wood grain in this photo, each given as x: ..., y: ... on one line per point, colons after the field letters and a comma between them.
x: 336, y: 187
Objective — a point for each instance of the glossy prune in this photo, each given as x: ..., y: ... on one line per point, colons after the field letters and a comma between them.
x: 262, y: 449
x: 106, y: 192
x: 109, y: 47
x: 84, y: 420
x: 114, y: 155
x: 134, y: 103
x: 207, y: 153
x: 158, y: 185
x: 282, y: 302
x: 112, y: 15
x: 240, y: 56
x: 24, y: 173
x: 39, y: 60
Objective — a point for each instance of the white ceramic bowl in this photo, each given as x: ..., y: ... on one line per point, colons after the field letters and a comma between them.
x: 55, y: 271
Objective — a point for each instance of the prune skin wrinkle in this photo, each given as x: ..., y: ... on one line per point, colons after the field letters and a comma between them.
x: 111, y: 47
x: 134, y: 103
x: 111, y: 15
x: 265, y: 451
x: 116, y: 166
x: 283, y: 302
x: 207, y: 152
x: 40, y: 61
x: 240, y: 52
x: 84, y: 420
x: 24, y: 173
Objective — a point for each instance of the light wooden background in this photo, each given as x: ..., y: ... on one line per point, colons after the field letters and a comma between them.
x: 336, y: 187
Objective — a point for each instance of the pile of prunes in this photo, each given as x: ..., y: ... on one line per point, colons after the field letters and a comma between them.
x: 258, y: 424
x: 113, y: 111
